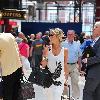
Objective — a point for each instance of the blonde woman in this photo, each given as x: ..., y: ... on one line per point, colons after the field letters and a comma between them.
x: 56, y: 60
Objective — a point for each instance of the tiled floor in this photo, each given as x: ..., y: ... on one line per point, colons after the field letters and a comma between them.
x: 81, y: 85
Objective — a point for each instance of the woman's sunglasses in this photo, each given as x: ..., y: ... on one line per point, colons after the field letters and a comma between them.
x: 51, y: 34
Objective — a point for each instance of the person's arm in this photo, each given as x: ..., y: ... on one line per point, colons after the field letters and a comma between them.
x: 66, y: 69
x: 31, y: 49
x: 79, y: 59
x: 27, y: 50
x: 44, y: 61
x: 79, y: 63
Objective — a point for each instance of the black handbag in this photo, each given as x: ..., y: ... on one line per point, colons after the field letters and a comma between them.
x: 88, y: 52
x: 44, y: 78
x: 41, y: 77
x: 26, y: 91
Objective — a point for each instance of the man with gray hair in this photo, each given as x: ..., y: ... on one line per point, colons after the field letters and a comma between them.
x: 92, y: 85
x: 74, y: 62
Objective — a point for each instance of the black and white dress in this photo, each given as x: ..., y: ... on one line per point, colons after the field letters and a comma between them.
x: 56, y: 65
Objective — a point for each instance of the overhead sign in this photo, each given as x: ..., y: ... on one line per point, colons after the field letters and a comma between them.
x: 13, y: 14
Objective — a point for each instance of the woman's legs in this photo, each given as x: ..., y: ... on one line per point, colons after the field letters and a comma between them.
x: 54, y: 92
x: 39, y: 92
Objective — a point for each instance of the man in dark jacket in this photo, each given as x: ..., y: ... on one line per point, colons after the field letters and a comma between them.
x: 92, y: 85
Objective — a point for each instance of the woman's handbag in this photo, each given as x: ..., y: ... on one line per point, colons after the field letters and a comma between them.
x: 26, y: 91
x: 44, y: 78
x: 41, y: 77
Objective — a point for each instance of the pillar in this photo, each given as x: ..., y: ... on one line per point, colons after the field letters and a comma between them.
x: 97, y: 14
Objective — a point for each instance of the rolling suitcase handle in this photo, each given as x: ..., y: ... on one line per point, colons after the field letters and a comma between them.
x: 69, y: 96
x: 69, y: 92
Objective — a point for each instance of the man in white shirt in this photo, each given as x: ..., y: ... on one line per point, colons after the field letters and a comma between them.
x: 74, y: 61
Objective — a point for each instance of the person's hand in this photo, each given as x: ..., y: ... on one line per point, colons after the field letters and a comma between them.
x: 44, y: 57
x: 45, y: 51
x: 44, y: 63
x: 79, y: 68
x: 82, y: 73
x: 84, y: 60
x: 66, y: 83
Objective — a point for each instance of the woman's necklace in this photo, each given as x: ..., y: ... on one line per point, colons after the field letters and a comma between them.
x: 56, y: 51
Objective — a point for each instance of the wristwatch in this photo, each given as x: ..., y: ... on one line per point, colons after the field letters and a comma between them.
x: 45, y: 58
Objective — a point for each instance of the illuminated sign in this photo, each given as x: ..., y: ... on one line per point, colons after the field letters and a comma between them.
x: 13, y: 14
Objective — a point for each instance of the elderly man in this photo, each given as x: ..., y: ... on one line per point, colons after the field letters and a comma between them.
x: 11, y: 66
x: 92, y: 85
x: 74, y: 61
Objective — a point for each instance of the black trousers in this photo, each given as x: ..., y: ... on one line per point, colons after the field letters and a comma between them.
x: 91, y: 89
x: 11, y: 85
x: 1, y: 90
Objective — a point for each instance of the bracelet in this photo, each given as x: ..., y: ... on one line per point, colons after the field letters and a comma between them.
x: 45, y: 58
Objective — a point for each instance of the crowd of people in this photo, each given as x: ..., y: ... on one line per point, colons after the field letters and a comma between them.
x: 71, y: 54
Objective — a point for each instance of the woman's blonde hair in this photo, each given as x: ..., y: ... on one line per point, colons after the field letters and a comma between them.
x: 57, y: 31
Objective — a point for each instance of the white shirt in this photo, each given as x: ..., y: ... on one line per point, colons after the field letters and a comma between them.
x: 95, y: 40
x: 74, y: 51
x: 55, y: 61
